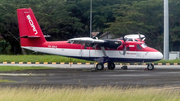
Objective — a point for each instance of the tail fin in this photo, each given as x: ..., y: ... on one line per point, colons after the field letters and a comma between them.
x: 29, y: 29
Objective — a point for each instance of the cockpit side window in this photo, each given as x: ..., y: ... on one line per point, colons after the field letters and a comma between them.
x: 144, y: 45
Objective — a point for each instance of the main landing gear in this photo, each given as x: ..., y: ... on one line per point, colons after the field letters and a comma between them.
x: 100, y: 66
x: 104, y: 59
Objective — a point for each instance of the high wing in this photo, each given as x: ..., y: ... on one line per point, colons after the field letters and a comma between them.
x: 85, y: 40
x: 109, y: 43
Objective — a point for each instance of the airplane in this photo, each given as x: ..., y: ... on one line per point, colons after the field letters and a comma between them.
x: 130, y: 48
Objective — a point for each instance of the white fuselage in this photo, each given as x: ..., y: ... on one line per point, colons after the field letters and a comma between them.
x: 115, y: 55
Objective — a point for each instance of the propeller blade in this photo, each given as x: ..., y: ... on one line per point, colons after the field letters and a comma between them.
x: 124, y: 39
x: 124, y: 50
x: 140, y: 37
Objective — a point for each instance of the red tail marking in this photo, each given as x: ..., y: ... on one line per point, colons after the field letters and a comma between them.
x: 29, y: 29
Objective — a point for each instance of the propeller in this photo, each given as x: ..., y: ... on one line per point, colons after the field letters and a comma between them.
x: 124, y: 50
x: 141, y: 38
x: 124, y: 39
x: 124, y: 46
x: 98, y: 35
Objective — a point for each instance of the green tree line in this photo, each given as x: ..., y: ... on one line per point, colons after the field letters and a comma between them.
x: 64, y: 19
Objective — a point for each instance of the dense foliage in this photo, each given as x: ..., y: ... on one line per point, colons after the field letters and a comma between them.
x: 64, y: 19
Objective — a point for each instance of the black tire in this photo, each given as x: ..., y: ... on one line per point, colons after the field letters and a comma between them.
x: 111, y: 65
x: 150, y: 66
x: 100, y: 66
x: 124, y: 67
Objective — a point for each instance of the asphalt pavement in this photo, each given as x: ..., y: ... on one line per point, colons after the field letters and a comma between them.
x: 87, y: 76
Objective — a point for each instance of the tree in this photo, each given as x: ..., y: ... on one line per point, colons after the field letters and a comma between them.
x: 9, y: 27
x: 64, y: 19
x: 144, y: 17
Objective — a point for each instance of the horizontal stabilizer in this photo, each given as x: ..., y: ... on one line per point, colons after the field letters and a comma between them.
x: 30, y: 36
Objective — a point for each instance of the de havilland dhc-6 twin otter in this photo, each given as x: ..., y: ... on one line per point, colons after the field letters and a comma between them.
x: 130, y: 48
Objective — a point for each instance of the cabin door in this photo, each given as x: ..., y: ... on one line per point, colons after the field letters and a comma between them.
x: 85, y: 51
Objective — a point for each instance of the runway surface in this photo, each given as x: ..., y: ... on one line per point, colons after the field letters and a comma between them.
x: 85, y: 76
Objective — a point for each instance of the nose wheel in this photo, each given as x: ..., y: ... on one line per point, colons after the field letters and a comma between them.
x: 150, y: 66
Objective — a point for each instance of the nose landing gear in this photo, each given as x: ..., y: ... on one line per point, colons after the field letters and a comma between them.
x: 150, y: 66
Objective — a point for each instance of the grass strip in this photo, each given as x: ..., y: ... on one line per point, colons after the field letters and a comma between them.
x: 39, y: 58
x: 2, y: 80
x: 168, y: 61
x: 87, y: 94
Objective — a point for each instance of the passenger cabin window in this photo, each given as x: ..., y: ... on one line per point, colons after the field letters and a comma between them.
x: 139, y: 47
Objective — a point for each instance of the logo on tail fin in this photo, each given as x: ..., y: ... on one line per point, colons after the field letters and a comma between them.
x: 32, y: 24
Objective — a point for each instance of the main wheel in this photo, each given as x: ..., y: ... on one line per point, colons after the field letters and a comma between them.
x: 100, y: 66
x: 111, y: 65
x: 124, y: 67
x: 150, y: 66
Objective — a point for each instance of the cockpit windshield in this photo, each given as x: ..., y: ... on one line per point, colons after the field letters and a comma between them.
x: 144, y: 45
x: 129, y: 39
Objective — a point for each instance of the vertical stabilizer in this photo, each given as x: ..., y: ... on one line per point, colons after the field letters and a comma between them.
x: 29, y: 29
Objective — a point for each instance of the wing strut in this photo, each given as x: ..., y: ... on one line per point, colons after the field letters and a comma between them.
x: 103, y: 50
x: 103, y: 59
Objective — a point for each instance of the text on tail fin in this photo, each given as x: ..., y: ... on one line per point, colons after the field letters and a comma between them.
x: 32, y: 24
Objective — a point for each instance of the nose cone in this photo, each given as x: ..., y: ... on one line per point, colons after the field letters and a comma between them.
x: 159, y: 55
